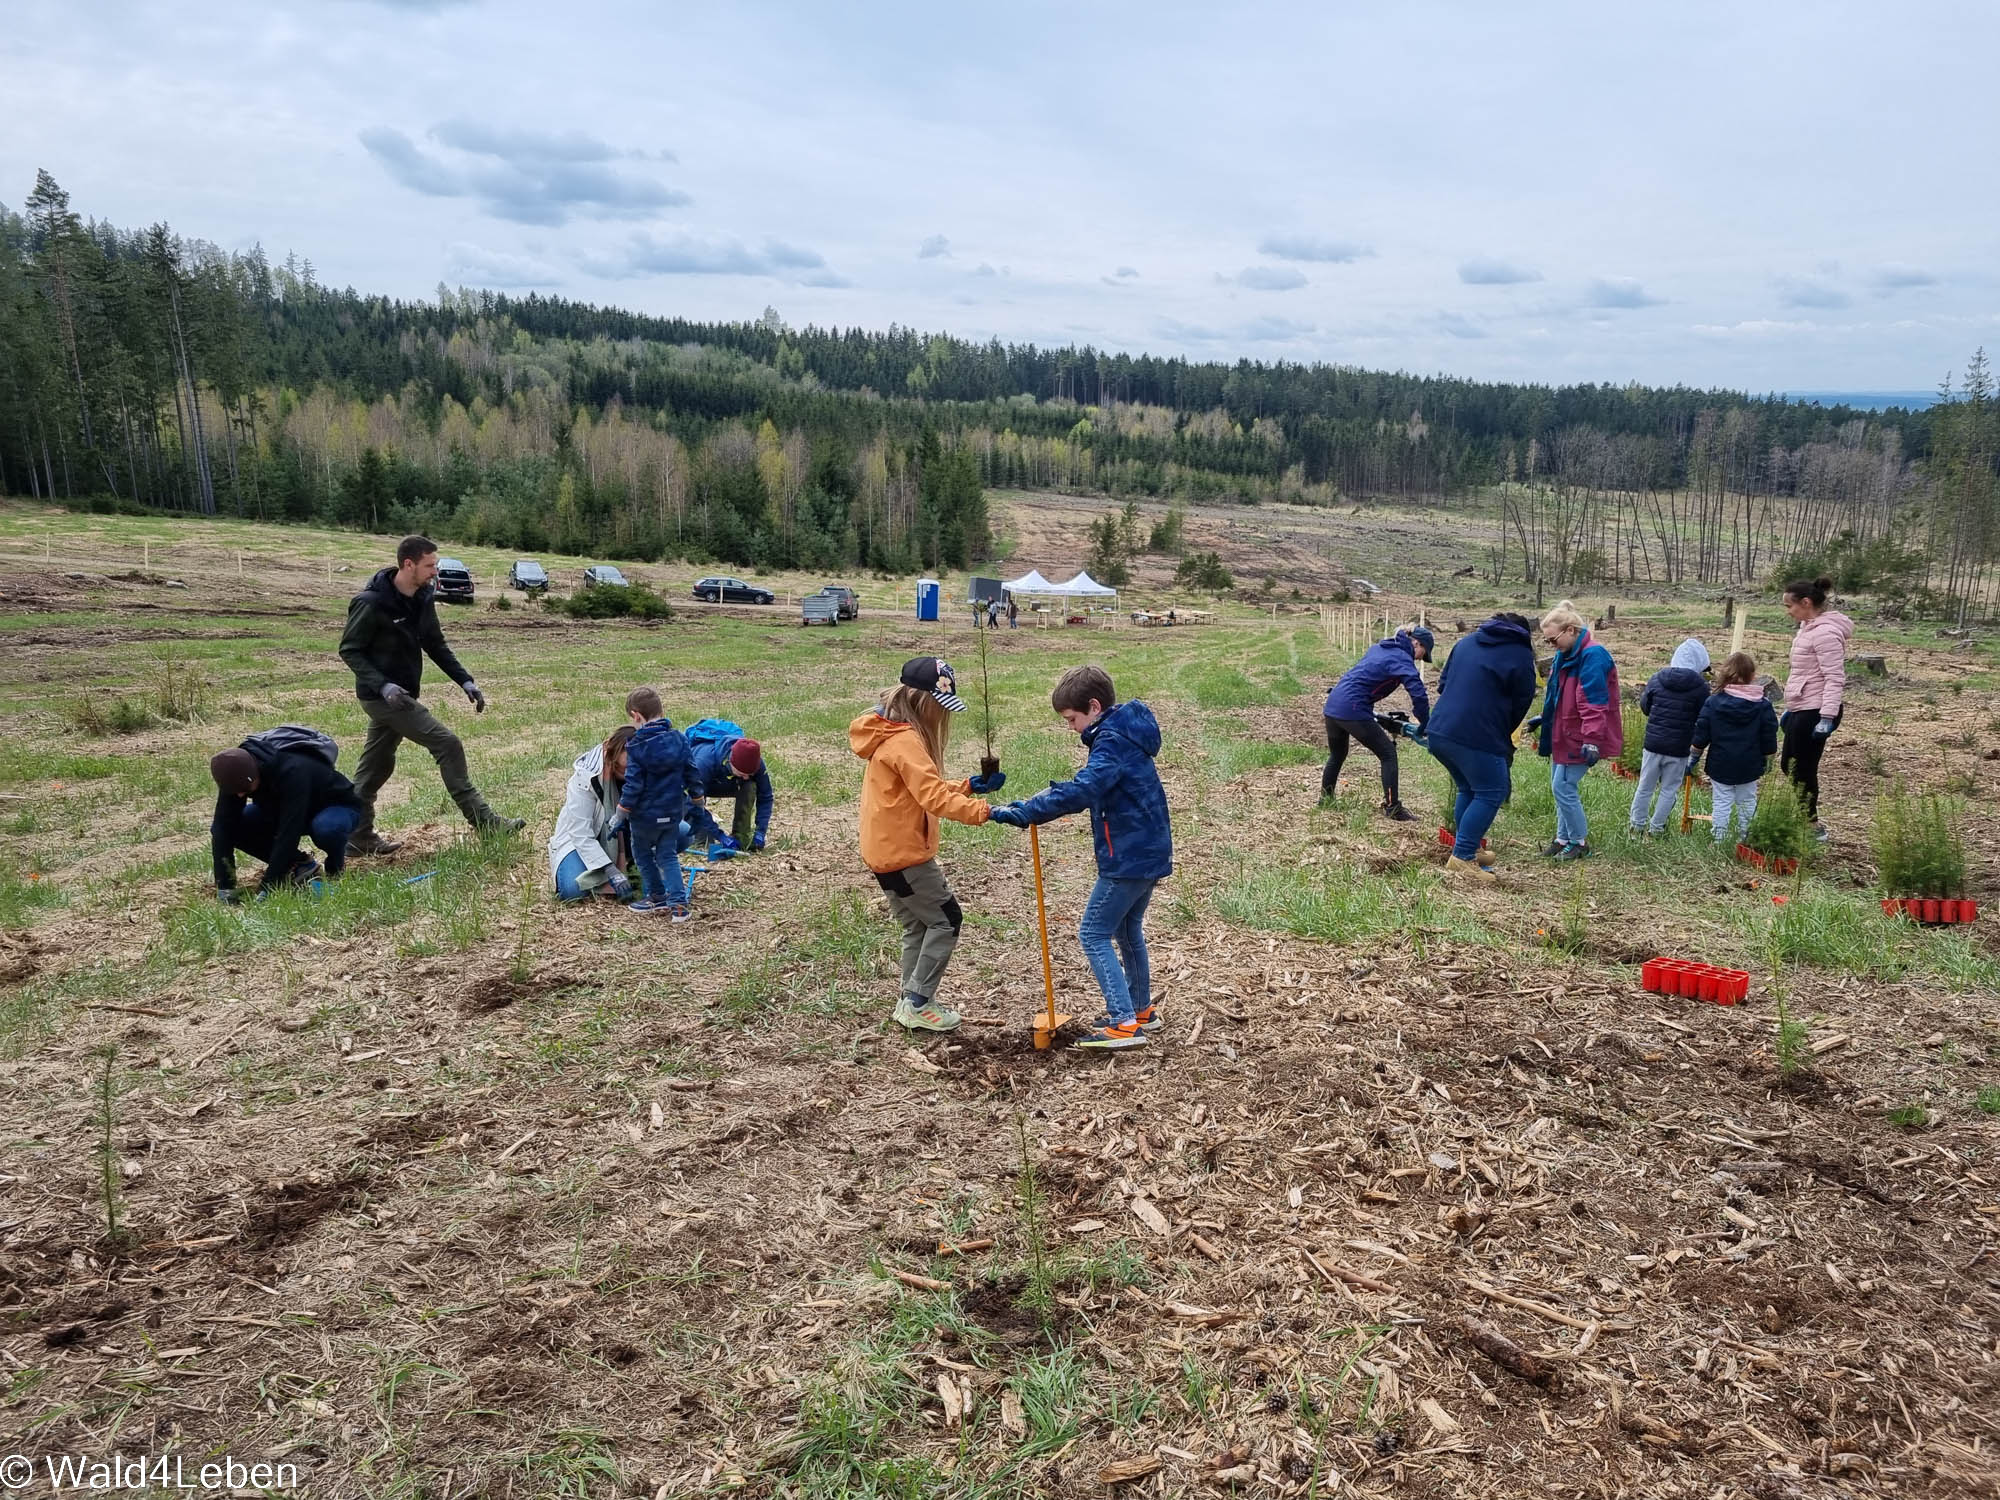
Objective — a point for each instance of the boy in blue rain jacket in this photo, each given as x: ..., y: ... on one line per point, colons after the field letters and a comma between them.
x: 1134, y: 839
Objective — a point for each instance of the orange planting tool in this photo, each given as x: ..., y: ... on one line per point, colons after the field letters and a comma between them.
x: 1046, y: 1023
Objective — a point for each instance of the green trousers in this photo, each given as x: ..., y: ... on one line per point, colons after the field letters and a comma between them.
x: 931, y: 917
x: 389, y: 724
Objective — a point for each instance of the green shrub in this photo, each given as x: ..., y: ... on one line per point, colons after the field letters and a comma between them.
x: 600, y: 602
x: 1204, y: 571
x: 1779, y: 829
x: 1635, y: 739
x: 119, y: 716
x: 1919, y: 846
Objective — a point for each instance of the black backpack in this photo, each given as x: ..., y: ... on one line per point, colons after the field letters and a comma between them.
x: 297, y: 739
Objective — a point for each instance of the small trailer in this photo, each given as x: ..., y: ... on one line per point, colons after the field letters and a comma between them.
x: 819, y: 609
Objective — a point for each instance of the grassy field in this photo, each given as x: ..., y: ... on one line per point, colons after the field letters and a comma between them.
x: 437, y: 1189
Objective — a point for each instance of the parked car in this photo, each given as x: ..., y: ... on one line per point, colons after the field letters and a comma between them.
x: 850, y: 602
x: 732, y: 591
x: 528, y: 576
x: 454, y: 581
x: 605, y: 576
x: 819, y: 609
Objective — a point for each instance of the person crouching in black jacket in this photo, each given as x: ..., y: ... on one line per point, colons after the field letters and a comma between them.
x: 265, y: 802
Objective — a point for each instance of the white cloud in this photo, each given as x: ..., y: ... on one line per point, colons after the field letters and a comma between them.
x: 937, y: 245
x: 1619, y: 292
x: 529, y: 177
x: 1308, y: 247
x: 474, y: 265
x: 1482, y: 272
x: 1268, y: 278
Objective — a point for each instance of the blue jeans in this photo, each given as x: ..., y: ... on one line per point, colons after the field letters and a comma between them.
x: 1567, y: 783
x: 1116, y: 914
x: 1662, y: 774
x: 654, y: 852
x: 1483, y: 782
x: 330, y: 829
x: 569, y: 875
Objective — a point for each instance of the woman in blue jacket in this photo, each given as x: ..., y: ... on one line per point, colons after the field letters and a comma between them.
x: 1484, y: 692
x: 1350, y: 709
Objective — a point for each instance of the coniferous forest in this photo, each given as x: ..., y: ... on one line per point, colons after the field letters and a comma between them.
x: 141, y: 369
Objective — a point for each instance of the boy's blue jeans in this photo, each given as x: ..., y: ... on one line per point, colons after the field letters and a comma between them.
x: 1567, y: 783
x: 1116, y: 915
x: 1483, y: 783
x: 654, y: 852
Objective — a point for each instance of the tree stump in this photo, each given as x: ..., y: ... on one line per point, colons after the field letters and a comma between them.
x: 1878, y: 666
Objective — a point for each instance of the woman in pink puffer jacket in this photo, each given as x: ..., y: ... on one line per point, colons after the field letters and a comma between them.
x: 1815, y: 691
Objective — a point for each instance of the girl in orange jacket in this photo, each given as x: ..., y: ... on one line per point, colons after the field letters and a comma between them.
x: 903, y: 795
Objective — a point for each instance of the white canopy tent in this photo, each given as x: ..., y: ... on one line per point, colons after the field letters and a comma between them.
x: 1083, y: 586
x: 1030, y: 582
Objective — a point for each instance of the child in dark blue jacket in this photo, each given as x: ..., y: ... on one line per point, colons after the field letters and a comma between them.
x: 651, y: 803
x: 1134, y: 838
x: 1739, y: 730
x: 1671, y: 702
x: 1350, y: 709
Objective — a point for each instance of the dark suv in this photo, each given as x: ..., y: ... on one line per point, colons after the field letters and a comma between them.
x: 732, y: 591
x: 453, y: 584
x: 849, y: 601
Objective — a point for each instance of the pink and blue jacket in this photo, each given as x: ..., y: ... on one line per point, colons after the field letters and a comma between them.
x: 1581, y: 705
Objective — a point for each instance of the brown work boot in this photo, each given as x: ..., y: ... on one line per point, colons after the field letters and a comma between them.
x: 1485, y: 857
x: 1465, y: 869
x: 371, y: 842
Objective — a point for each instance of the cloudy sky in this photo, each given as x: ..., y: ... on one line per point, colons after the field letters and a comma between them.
x: 1779, y: 195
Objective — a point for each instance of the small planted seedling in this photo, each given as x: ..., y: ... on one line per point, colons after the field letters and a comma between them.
x: 989, y: 763
x: 1632, y: 756
x: 107, y: 1146
x: 1780, y: 833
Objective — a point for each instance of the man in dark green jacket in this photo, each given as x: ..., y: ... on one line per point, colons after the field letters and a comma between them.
x: 391, y: 627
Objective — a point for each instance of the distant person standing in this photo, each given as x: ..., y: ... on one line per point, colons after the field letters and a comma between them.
x: 1671, y: 701
x: 1013, y: 614
x: 992, y: 614
x: 1581, y: 722
x: 392, y: 626
x: 1816, y: 690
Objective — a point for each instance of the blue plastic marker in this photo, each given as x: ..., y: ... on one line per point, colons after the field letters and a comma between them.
x: 420, y: 879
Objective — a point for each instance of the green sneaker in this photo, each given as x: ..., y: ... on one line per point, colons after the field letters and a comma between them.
x: 914, y: 1013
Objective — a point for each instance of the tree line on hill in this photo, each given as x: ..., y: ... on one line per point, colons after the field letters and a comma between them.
x: 144, y: 369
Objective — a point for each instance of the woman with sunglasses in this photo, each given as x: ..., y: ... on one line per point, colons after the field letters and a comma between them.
x: 1581, y: 723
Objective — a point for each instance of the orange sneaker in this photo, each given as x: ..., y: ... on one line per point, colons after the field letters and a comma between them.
x: 1150, y: 1019
x: 1115, y: 1036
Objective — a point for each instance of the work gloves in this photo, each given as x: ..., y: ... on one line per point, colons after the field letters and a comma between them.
x: 618, y: 885
x: 1013, y: 815
x: 394, y: 694
x: 1823, y: 728
x: 1591, y: 756
x: 985, y: 784
x: 727, y: 843
x: 757, y: 843
x: 1414, y: 731
x: 618, y: 820
x: 478, y: 698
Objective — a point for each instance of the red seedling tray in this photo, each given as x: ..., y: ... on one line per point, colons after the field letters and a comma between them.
x: 1929, y: 911
x: 1447, y: 838
x: 1772, y: 863
x: 1622, y: 774
x: 1696, y: 981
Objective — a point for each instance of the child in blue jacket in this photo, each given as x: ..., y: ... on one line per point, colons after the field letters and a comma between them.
x: 651, y: 803
x: 1133, y: 835
x: 1671, y: 701
x: 1739, y: 730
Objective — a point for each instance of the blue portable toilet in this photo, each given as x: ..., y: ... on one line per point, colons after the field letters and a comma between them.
x: 927, y: 598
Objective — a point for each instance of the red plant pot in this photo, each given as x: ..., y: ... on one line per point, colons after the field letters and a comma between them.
x: 1930, y: 909
x: 1687, y: 981
x: 1947, y: 910
x: 1784, y: 866
x: 1741, y: 988
x: 1710, y: 986
x: 1906, y: 907
x: 1889, y: 906
x: 1968, y: 911
x: 1649, y: 974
